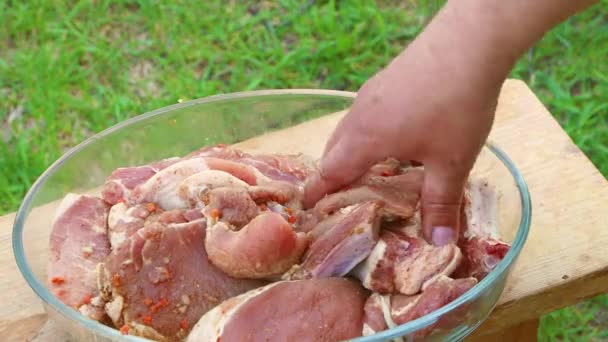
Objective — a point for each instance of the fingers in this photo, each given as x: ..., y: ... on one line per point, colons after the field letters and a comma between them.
x: 342, y: 164
x: 441, y: 199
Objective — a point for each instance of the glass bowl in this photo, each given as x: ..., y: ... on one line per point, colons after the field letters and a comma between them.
x: 179, y: 129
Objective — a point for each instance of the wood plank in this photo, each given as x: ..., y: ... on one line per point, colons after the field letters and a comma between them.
x: 522, y: 332
x: 564, y: 260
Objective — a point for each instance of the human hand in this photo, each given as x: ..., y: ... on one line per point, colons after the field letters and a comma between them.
x: 432, y: 108
x: 435, y: 102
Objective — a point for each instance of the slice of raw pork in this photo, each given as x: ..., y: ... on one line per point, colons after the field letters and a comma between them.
x: 336, y: 251
x: 318, y: 310
x: 403, y: 262
x: 388, y: 311
x: 159, y: 282
x: 78, y: 243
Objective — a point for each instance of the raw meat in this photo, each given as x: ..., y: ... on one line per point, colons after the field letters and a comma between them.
x: 481, y: 248
x: 399, y: 195
x: 387, y: 311
x: 220, y: 237
x: 338, y: 250
x: 78, y: 243
x: 406, y: 264
x: 124, y: 221
x: 162, y: 188
x: 278, y: 191
x: 265, y: 247
x: 293, y: 168
x: 289, y: 168
x: 386, y: 168
x: 329, y: 309
x: 161, y: 278
x: 481, y: 255
x: 123, y: 180
x: 233, y: 206
x: 194, y: 188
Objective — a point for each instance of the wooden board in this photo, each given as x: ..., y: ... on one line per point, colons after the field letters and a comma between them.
x: 565, y: 259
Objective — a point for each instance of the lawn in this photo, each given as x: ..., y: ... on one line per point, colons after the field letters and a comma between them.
x: 69, y: 69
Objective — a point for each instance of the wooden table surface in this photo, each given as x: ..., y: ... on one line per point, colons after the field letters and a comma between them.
x: 564, y: 261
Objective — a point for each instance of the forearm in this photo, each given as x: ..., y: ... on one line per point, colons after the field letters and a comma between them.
x: 480, y: 40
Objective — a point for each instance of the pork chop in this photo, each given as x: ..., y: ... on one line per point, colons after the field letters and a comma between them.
x: 318, y: 310
x: 78, y: 243
x: 161, y: 278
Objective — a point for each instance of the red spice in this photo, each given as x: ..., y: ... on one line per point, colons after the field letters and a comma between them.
x: 291, y: 219
x: 87, y: 299
x: 147, y: 320
x: 148, y: 301
x: 151, y: 207
x: 183, y: 324
x: 116, y: 280
x: 289, y: 210
x: 221, y: 145
x: 58, y: 280
x: 215, y: 214
x: 386, y: 173
x: 161, y: 304
x: 124, y: 329
x: 60, y: 293
x: 122, y: 200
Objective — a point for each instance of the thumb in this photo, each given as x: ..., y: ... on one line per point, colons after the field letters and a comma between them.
x: 441, y: 199
x: 342, y: 164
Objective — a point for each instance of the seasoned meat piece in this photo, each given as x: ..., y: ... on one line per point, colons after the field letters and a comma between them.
x: 124, y: 221
x: 123, y: 180
x: 338, y: 250
x: 405, y: 264
x: 162, y: 188
x: 278, y: 191
x: 194, y: 188
x: 78, y: 243
x: 318, y: 310
x: 388, y: 311
x: 250, y: 169
x: 399, y: 195
x: 264, y: 248
x: 230, y: 205
x: 244, y: 172
x: 288, y: 168
x: 161, y: 278
x: 386, y: 168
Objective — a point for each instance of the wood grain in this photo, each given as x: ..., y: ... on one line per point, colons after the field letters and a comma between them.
x: 565, y: 259
x: 522, y: 332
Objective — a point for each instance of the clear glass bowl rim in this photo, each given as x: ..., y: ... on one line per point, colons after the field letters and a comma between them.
x: 404, y: 329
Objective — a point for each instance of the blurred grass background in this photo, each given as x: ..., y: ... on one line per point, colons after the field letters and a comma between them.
x: 69, y: 69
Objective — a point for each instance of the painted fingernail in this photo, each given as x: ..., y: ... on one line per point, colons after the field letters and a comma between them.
x: 442, y: 236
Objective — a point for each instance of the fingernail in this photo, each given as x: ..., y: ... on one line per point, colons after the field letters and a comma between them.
x: 442, y: 236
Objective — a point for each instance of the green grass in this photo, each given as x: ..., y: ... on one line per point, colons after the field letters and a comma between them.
x: 69, y: 69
